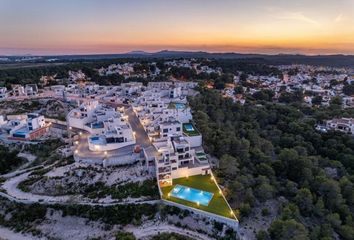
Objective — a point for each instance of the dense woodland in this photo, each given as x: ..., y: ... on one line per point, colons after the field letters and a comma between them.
x: 272, y: 151
x: 9, y: 160
x: 26, y: 75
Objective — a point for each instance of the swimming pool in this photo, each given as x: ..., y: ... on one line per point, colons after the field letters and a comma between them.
x: 97, y: 125
x: 191, y: 195
x: 180, y: 105
x: 189, y: 127
x: 98, y: 140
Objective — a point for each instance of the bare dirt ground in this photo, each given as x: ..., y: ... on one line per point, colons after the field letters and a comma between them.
x: 256, y: 222
x: 7, y: 234
x: 59, y: 227
x: 70, y: 178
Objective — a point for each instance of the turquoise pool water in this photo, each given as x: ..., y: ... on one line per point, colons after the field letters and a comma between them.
x: 180, y: 105
x: 21, y: 133
x: 191, y: 195
x: 98, y: 140
x: 97, y: 125
x: 189, y: 127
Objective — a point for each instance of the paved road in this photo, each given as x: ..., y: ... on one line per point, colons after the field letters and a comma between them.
x: 144, y: 231
x: 142, y: 138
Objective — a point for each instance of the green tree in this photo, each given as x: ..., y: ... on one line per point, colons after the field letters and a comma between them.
x: 229, y: 165
x: 304, y: 201
x: 288, y: 230
x: 125, y: 236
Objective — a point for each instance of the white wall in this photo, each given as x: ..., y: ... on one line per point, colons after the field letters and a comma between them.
x: 194, y: 141
x: 121, y: 160
x: 110, y: 146
x: 183, y: 172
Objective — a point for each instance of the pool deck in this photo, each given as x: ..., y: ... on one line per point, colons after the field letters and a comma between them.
x: 191, y: 194
x: 217, y: 204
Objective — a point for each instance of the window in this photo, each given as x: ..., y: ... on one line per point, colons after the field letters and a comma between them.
x: 165, y: 130
x: 180, y: 150
x: 178, y: 129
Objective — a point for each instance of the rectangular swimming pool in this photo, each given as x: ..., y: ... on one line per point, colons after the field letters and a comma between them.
x: 189, y: 127
x: 191, y: 195
x: 97, y: 125
x: 98, y: 140
x: 180, y: 105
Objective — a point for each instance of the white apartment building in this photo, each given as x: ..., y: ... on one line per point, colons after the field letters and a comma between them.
x: 31, y: 89
x: 168, y: 125
x: 3, y: 93
x: 177, y: 159
x: 58, y: 90
x: 18, y: 90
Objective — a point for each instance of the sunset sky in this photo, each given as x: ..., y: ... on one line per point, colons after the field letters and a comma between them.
x: 116, y: 26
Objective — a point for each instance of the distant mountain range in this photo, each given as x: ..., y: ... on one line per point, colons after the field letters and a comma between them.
x: 326, y: 60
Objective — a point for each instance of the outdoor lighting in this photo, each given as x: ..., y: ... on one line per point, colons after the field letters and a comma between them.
x: 169, y: 194
x: 80, y: 133
x: 198, y: 203
x: 187, y: 176
x: 212, y: 178
x: 105, y: 153
x: 76, y: 142
x: 231, y: 212
x: 220, y: 191
x: 97, y: 147
x: 70, y: 128
x: 76, y: 151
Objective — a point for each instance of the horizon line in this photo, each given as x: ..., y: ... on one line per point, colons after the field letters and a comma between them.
x: 142, y: 52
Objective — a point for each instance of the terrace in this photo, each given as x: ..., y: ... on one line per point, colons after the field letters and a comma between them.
x: 190, y: 130
x: 174, y: 105
x: 210, y: 199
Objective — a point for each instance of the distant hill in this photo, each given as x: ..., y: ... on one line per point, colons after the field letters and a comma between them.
x: 325, y: 60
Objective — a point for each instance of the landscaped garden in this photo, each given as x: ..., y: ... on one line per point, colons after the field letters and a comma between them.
x: 217, y: 204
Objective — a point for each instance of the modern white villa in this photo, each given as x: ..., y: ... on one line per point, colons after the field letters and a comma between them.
x: 24, y: 127
x: 345, y: 125
x: 108, y: 129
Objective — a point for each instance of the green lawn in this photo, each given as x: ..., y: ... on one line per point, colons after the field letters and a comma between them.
x: 217, y: 204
